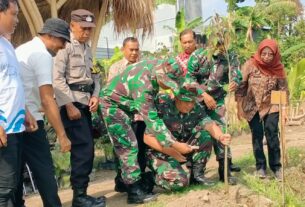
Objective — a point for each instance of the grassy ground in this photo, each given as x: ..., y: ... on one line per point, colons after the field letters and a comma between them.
x: 269, y: 188
x: 272, y: 189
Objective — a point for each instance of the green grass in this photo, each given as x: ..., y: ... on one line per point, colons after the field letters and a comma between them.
x: 270, y: 188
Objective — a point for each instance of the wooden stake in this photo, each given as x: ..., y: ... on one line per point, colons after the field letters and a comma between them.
x: 280, y: 98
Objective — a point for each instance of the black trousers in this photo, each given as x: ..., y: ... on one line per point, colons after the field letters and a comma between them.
x: 36, y: 153
x: 269, y: 127
x: 10, y: 161
x: 139, y: 129
x: 82, y: 148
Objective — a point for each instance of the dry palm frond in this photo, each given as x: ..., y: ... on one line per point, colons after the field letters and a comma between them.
x: 127, y: 15
x: 133, y: 15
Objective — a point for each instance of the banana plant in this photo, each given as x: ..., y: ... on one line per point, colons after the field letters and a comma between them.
x: 296, y: 81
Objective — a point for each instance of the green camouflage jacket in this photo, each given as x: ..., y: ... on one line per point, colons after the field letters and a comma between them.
x: 182, y: 126
x: 134, y: 90
x: 212, y: 74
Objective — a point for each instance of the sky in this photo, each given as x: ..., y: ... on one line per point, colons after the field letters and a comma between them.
x: 210, y: 7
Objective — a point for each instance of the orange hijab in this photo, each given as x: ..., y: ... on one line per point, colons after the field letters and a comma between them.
x: 275, y: 68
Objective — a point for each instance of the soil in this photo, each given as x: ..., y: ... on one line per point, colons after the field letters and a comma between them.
x: 238, y: 196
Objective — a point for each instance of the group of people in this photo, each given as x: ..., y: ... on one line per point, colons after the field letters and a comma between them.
x: 160, y: 113
x: 56, y: 63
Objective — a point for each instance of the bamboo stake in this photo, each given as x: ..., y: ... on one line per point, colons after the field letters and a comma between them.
x: 279, y: 97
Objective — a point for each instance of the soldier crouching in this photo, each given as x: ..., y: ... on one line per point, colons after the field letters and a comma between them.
x: 188, y: 122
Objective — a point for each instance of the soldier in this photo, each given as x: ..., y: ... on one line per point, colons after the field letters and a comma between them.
x: 188, y: 122
x: 131, y: 54
x: 212, y: 74
x: 76, y: 89
x: 132, y: 92
x: 36, y: 61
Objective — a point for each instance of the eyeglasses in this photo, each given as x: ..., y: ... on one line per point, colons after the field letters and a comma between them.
x: 269, y: 54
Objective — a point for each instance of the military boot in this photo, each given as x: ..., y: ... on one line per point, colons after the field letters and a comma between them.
x: 81, y: 199
x: 120, y: 186
x: 148, y: 181
x: 221, y: 171
x: 197, y: 175
x: 233, y: 168
x: 137, y: 195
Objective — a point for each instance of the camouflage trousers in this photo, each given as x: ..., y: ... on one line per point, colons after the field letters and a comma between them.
x: 123, y: 139
x: 218, y: 115
x: 169, y: 173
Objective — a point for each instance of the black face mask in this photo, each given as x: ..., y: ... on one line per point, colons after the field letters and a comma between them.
x: 52, y: 53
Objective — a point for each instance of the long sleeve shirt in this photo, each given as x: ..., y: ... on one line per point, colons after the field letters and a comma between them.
x: 134, y: 90
x: 254, y: 92
x: 182, y: 125
x: 212, y: 74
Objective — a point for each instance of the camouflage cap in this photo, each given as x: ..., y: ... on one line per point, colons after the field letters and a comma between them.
x: 168, y: 73
x: 185, y: 95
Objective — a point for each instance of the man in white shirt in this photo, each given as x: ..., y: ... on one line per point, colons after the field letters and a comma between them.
x: 12, y: 106
x: 35, y: 58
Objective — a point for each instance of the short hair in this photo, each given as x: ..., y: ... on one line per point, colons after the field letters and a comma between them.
x: 187, y: 31
x: 5, y: 4
x: 129, y: 39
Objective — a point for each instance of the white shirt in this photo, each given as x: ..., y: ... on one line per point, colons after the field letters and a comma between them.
x: 36, y: 70
x: 12, y: 106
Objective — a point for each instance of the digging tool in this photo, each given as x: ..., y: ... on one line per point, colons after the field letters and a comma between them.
x: 280, y: 98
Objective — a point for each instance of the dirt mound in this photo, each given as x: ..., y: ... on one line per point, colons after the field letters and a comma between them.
x: 238, y: 196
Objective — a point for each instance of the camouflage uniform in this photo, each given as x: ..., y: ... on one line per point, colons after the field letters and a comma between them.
x: 212, y: 75
x: 131, y: 92
x: 187, y: 128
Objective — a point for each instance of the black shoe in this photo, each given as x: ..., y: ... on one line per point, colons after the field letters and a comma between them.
x: 148, y: 180
x: 197, y: 175
x: 202, y: 181
x: 81, y: 199
x: 137, y: 195
x: 221, y: 171
x: 233, y: 168
x: 120, y: 186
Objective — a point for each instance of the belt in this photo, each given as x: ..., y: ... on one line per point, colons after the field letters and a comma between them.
x: 82, y: 87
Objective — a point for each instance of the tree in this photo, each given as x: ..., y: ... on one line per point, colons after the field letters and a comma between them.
x: 232, y: 4
x: 282, y: 14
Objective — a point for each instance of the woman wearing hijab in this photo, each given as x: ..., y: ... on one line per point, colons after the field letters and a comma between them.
x: 262, y: 73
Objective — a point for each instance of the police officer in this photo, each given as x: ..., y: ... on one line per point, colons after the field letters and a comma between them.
x: 76, y: 89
